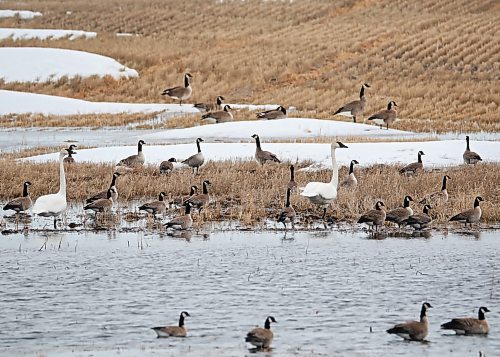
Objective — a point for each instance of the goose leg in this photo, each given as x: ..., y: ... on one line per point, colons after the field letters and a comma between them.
x: 55, y: 223
x: 387, y: 126
x: 354, y: 118
x: 324, y: 214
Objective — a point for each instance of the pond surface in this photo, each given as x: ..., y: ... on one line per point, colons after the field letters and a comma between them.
x: 98, y: 294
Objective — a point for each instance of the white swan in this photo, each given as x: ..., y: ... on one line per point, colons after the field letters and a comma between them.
x: 55, y: 204
x: 324, y: 193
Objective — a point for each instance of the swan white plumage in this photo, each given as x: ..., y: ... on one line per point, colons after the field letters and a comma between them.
x: 324, y: 193
x: 55, y: 204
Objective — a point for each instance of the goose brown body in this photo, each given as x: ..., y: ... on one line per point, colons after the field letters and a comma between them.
x: 155, y: 207
x: 470, y: 157
x: 287, y: 214
x: 196, y: 160
x: 438, y: 197
x: 173, y: 331
x: 419, y: 220
x: 22, y: 203
x: 201, y: 200
x: 221, y: 116
x: 209, y: 107
x: 469, y: 325
x: 351, y: 181
x: 375, y: 217
x: 182, y: 222
x: 134, y: 161
x: 386, y: 116
x: 103, y: 204
x: 262, y: 337
x: 398, y: 215
x: 471, y: 215
x: 414, y: 167
x: 278, y: 113
x: 167, y: 166
x: 104, y: 194
x: 355, y: 108
x: 180, y: 93
x: 263, y: 156
x: 413, y: 330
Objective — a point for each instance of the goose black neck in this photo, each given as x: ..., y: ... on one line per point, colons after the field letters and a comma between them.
x: 423, y: 312
x: 108, y: 194
x: 25, y: 190
x: 481, y: 315
x: 186, y: 81
x: 139, y: 147
x: 198, y: 146
x: 362, y: 92
x: 181, y: 320
x: 188, y: 209
x: 160, y: 197
x: 467, y: 140
x: 219, y: 101
x: 113, y: 181
x: 444, y: 184
x: 287, y: 203
x: 292, y: 173
x: 205, y: 188
x: 351, y: 168
x: 70, y: 153
x: 389, y: 106
x: 419, y: 158
x: 257, y: 142
x: 406, y: 203
x: 192, y: 191
x: 267, y: 324
x: 426, y: 210
x: 476, y: 203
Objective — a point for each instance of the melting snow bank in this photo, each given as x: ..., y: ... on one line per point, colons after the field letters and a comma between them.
x: 437, y: 153
x: 43, y: 34
x: 35, y: 64
x: 23, y: 14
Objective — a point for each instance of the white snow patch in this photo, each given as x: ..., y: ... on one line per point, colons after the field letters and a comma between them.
x: 23, y: 14
x: 43, y: 34
x: 34, y: 64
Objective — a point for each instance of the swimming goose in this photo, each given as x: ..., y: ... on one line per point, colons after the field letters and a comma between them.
x: 355, y: 108
x: 196, y: 160
x: 55, y: 204
x: 180, y: 93
x: 470, y: 157
x: 292, y: 185
x: 278, y: 113
x: 374, y: 217
x: 414, y: 167
x: 471, y: 215
x: 469, y: 325
x: 398, y: 215
x: 134, y: 161
x: 385, y: 117
x: 167, y: 167
x: 208, y: 107
x: 324, y: 193
x: 173, y: 331
x: 287, y: 214
x: 155, y: 207
x: 104, y: 194
x: 438, y: 197
x: 262, y: 337
x: 179, y: 201
x: 261, y: 155
x: 20, y: 204
x: 102, y: 204
x: 70, y: 159
x: 351, y: 181
x: 201, y: 200
x: 413, y: 330
x: 182, y: 222
x: 419, y: 221
x: 221, y: 116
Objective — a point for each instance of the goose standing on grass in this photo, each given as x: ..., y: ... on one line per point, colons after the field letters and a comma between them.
x: 324, y: 193
x: 104, y: 194
x: 438, y: 197
x: 221, y: 116
x: 292, y: 184
x: 262, y: 337
x: 55, y: 204
x: 209, y: 107
x: 102, y: 205
x: 374, y: 217
x: 469, y: 325
x: 386, y: 116
x: 201, y: 200
x: 413, y: 330
x: 287, y: 214
x: 134, y: 161
x: 182, y: 222
x: 355, y: 108
x: 263, y: 156
x: 155, y: 207
x: 180, y: 93
x: 278, y: 113
x: 470, y: 157
x: 470, y: 216
x: 20, y: 204
x: 419, y: 221
x: 351, y: 181
x: 173, y: 331
x: 398, y: 215
x: 414, y: 167
x: 196, y: 160
x: 167, y: 167
x: 71, y: 150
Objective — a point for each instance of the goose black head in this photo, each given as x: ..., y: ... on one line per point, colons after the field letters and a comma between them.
x: 199, y: 140
x: 255, y: 136
x: 141, y: 142
x: 339, y: 145
x: 188, y: 75
x: 172, y: 159
x: 227, y: 107
x: 355, y: 162
x: 426, y: 305
x: 421, y: 152
x: 27, y: 183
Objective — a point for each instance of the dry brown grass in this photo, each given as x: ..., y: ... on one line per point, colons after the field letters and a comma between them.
x: 439, y: 60
x: 249, y: 193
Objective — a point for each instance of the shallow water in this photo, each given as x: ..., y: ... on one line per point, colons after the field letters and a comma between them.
x: 98, y: 294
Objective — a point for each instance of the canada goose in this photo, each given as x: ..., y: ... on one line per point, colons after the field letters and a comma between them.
x: 103, y: 204
x: 292, y: 185
x: 262, y: 337
x: 155, y: 207
x: 173, y: 331
x: 413, y: 330
x: 470, y: 157
x: 69, y: 159
x: 324, y: 193
x: 374, y: 217
x: 208, y: 107
x: 398, y: 215
x: 20, y: 204
x: 419, y: 220
x: 54, y: 205
x: 261, y: 155
x: 104, y: 194
x: 180, y: 93
x: 179, y: 201
x: 287, y: 214
x: 278, y: 113
x: 182, y: 222
x: 167, y: 167
x: 470, y: 216
x: 201, y: 200
x: 134, y: 161
x: 196, y: 160
x: 385, y: 117
x: 414, y: 167
x: 438, y: 197
x: 355, y: 108
x: 221, y: 116
x: 469, y: 325
x: 351, y: 181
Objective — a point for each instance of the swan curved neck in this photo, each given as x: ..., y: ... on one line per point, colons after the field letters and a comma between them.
x: 62, y: 177
x: 335, y: 175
